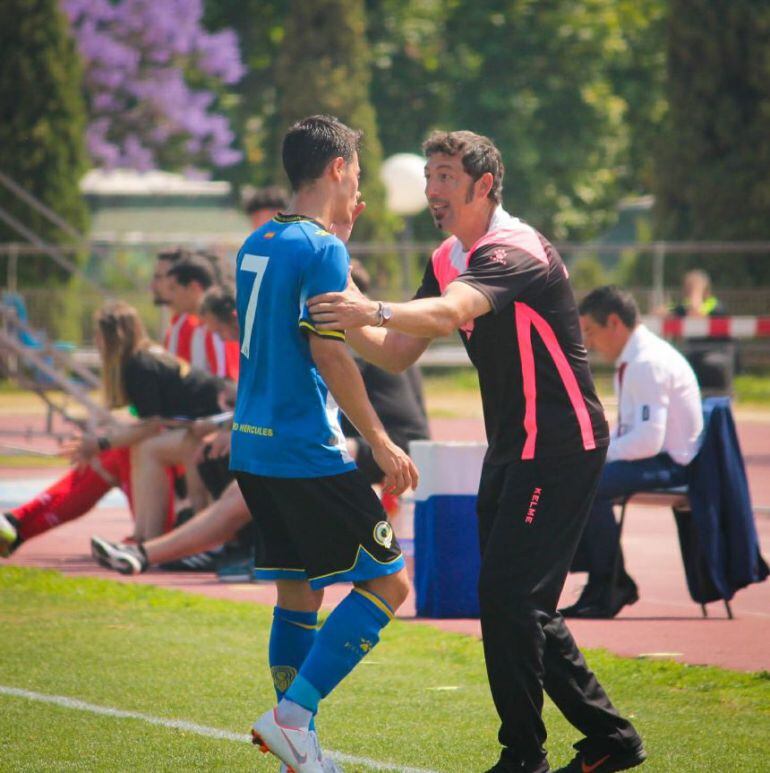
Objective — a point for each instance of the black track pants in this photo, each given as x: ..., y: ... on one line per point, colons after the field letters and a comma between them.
x: 531, y: 516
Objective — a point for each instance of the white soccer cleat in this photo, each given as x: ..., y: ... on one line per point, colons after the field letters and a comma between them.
x: 329, y: 766
x: 296, y: 747
x: 8, y: 536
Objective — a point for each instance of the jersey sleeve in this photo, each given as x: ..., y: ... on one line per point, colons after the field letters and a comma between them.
x: 327, y: 272
x: 429, y: 287
x: 504, y: 273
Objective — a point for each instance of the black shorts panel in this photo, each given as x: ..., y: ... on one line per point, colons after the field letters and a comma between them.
x: 325, y: 530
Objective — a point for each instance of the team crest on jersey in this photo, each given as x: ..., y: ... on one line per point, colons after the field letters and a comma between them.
x: 383, y: 534
x: 283, y: 676
x: 268, y: 235
x: 322, y: 232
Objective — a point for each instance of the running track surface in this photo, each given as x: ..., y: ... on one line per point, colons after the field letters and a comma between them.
x: 664, y: 623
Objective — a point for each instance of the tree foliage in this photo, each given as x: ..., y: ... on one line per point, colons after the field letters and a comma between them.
x: 324, y: 68
x: 542, y: 79
x: 251, y: 103
x: 153, y: 76
x: 42, y: 122
x: 713, y: 170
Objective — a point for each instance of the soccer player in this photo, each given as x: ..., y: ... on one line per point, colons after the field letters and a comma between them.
x: 320, y: 521
x: 506, y: 289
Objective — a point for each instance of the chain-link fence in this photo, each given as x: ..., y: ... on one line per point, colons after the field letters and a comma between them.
x: 123, y: 268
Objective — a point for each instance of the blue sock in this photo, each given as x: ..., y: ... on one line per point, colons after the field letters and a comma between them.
x: 291, y: 638
x: 349, y: 632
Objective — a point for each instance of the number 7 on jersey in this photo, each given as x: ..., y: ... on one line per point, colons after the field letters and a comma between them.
x: 255, y: 264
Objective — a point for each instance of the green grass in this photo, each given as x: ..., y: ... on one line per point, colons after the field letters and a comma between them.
x: 752, y: 389
x: 173, y: 655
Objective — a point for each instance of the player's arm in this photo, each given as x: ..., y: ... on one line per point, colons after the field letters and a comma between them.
x: 82, y: 448
x: 387, y: 349
x: 342, y: 377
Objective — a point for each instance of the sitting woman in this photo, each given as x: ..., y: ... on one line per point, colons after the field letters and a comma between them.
x: 164, y: 391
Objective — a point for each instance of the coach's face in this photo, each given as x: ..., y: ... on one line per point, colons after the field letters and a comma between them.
x: 449, y: 190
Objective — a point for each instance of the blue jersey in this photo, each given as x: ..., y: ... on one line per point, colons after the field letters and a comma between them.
x: 286, y: 422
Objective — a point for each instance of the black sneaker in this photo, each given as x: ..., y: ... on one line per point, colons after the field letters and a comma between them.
x: 605, y: 762
x: 507, y: 764
x: 126, y: 559
x: 206, y: 561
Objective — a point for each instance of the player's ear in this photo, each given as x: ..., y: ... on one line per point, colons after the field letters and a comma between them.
x: 336, y: 168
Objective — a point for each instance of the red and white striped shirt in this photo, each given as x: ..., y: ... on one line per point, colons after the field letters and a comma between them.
x: 190, y: 340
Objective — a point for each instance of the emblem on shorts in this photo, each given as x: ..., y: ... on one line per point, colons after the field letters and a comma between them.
x: 383, y: 534
x: 283, y: 676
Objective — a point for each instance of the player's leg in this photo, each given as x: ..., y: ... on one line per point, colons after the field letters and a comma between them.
x: 347, y: 538
x: 292, y: 634
x: 149, y: 460
x: 205, y: 530
x: 70, y: 497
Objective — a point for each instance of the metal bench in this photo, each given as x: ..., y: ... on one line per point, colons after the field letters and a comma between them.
x: 675, y: 498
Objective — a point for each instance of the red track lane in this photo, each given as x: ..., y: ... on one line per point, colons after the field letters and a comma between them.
x: 664, y: 622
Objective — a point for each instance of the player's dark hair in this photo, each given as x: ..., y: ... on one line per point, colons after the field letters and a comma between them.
x: 195, y: 268
x: 220, y: 303
x: 478, y: 155
x: 610, y: 299
x: 272, y: 197
x: 310, y: 144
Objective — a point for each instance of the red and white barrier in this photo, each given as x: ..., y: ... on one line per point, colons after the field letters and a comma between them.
x: 709, y: 327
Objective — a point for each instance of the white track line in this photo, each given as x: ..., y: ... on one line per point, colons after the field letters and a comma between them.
x: 190, y: 727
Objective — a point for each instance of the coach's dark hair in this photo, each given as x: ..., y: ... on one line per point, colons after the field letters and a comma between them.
x: 220, y: 303
x: 610, y: 299
x: 195, y: 268
x: 478, y: 154
x: 272, y: 197
x: 310, y: 144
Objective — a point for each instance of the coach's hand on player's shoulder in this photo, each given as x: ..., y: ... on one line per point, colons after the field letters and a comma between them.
x: 399, y: 469
x: 339, y: 311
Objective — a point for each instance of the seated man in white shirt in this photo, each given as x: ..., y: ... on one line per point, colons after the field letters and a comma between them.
x: 657, y: 435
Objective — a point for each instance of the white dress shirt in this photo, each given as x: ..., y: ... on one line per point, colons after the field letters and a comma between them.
x: 659, y: 404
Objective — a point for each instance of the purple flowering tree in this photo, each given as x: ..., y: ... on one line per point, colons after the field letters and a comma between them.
x: 152, y: 77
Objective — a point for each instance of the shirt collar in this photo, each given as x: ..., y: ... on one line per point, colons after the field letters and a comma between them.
x: 633, y: 344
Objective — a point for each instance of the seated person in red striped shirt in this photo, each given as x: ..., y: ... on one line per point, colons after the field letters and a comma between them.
x: 187, y: 337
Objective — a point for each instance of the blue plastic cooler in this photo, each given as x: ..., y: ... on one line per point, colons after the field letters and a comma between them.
x: 446, y: 542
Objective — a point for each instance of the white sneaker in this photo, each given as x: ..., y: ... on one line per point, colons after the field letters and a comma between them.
x: 296, y: 747
x: 8, y: 536
x: 125, y: 559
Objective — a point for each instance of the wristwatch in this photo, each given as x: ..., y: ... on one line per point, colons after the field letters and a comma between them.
x: 384, y: 314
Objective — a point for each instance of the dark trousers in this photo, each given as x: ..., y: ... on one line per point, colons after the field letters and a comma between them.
x: 531, y: 515
x: 599, y: 544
